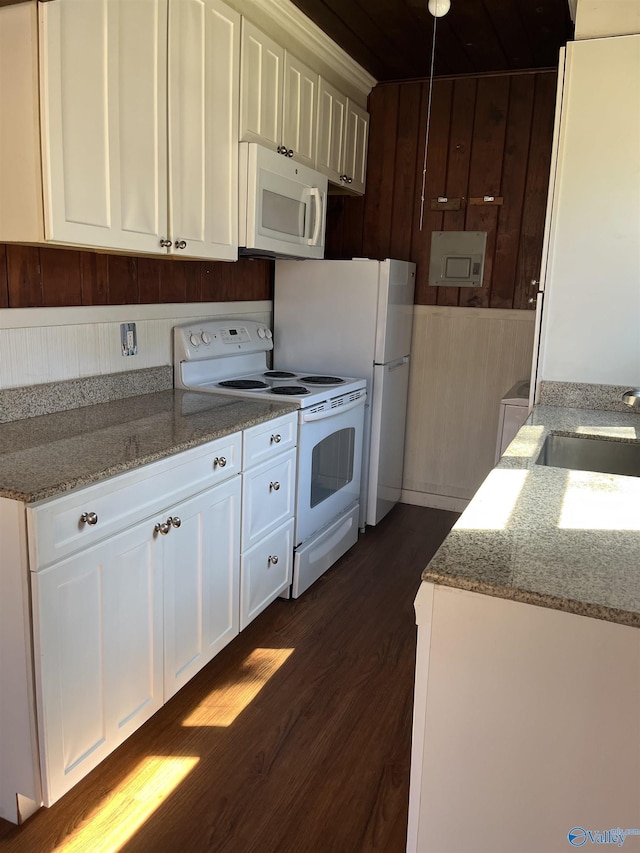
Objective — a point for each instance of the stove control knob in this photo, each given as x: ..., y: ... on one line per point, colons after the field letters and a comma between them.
x: 267, y: 334
x: 194, y: 340
x: 205, y: 337
x: 261, y: 333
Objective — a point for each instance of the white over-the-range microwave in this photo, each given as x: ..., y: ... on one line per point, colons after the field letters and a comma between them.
x: 282, y: 205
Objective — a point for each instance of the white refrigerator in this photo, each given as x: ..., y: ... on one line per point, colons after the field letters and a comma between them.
x: 354, y: 318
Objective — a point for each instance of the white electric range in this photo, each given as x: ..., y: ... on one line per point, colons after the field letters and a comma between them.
x: 229, y: 356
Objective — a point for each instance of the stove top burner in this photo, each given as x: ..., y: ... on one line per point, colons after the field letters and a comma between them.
x: 279, y: 374
x: 290, y: 390
x: 244, y: 384
x: 321, y: 380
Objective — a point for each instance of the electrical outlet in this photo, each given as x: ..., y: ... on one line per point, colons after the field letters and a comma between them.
x: 128, y: 339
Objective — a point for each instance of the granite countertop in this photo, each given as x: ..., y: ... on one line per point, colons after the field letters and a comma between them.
x: 553, y: 537
x: 41, y: 457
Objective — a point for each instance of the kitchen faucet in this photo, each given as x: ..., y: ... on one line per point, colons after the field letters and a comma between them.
x: 632, y: 398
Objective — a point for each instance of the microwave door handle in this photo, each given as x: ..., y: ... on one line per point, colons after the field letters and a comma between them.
x: 315, y: 195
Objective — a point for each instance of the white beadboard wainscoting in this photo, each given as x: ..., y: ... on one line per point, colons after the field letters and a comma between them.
x: 39, y: 345
x: 463, y: 361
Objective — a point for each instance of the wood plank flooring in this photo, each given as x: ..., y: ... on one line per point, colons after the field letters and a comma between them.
x: 295, y: 739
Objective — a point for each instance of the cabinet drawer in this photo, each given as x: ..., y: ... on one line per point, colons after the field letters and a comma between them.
x: 57, y: 528
x: 268, y: 497
x: 266, y: 572
x: 264, y: 441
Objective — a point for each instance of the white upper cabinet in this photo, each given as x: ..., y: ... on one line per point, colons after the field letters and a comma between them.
x: 278, y: 97
x: 343, y: 131
x: 138, y: 110
x: 103, y: 107
x: 204, y: 75
x: 300, y: 104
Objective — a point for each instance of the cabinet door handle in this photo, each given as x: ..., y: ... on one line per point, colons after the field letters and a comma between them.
x: 274, y: 486
x: 181, y: 244
x: 276, y: 439
x: 89, y: 518
x: 343, y: 178
x: 349, y: 180
x: 273, y: 559
x: 174, y: 521
x: 282, y: 149
x: 162, y: 528
x: 166, y: 244
x: 290, y: 152
x: 219, y: 462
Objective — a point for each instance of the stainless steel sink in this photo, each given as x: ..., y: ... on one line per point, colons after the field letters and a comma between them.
x: 590, y: 454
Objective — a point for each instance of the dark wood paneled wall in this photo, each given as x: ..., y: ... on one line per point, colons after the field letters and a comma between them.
x: 488, y: 135
x: 32, y: 276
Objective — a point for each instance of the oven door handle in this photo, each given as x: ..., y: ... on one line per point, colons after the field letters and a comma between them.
x: 330, y: 413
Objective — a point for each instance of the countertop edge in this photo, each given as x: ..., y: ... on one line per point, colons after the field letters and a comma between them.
x: 536, y: 599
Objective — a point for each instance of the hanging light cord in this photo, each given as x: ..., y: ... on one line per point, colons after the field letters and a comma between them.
x: 426, y: 134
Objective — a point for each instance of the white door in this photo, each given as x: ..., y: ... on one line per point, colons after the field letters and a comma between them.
x: 355, y: 148
x: 300, y: 107
x: 394, y: 324
x: 261, y: 81
x: 204, y: 62
x: 329, y: 465
x: 332, y: 118
x: 103, y: 111
x: 98, y: 653
x: 388, y: 419
x: 201, y: 560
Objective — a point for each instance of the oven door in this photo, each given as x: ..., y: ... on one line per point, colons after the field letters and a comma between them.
x: 329, y: 465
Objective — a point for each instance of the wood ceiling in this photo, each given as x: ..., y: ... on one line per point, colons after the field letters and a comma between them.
x: 392, y: 39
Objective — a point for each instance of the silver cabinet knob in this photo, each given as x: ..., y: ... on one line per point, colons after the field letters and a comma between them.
x: 274, y: 486
x: 349, y: 180
x: 276, y: 439
x: 181, y: 244
x: 163, y: 527
x: 89, y: 518
x: 282, y: 149
x: 219, y: 462
x: 343, y: 178
x: 166, y: 244
x: 273, y: 559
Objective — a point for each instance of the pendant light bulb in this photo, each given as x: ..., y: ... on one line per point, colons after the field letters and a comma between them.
x: 439, y: 8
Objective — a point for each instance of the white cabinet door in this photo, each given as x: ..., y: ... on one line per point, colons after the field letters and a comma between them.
x: 300, y: 104
x: 343, y: 137
x: 103, y: 111
x: 332, y: 117
x: 204, y: 75
x: 355, y: 147
x: 261, y: 87
x: 98, y: 653
x: 201, y: 562
x: 268, y: 497
x: 266, y: 572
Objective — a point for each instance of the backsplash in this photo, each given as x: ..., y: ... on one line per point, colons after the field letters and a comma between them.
x: 32, y: 400
x: 39, y: 346
x: 582, y: 395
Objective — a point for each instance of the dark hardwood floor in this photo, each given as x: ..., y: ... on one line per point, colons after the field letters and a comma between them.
x: 295, y: 739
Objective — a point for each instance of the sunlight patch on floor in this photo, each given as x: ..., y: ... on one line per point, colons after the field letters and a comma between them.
x: 143, y: 791
x: 224, y: 704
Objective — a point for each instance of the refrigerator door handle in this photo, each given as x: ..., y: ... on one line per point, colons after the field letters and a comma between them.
x: 394, y: 365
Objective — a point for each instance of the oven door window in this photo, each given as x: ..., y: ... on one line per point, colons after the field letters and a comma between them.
x: 332, y: 463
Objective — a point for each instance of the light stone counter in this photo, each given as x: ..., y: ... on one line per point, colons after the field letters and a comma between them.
x: 563, y: 539
x: 41, y: 457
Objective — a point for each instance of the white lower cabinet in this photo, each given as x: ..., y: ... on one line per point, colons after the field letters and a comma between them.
x: 137, y: 582
x: 268, y: 504
x: 201, y: 561
x: 98, y: 653
x: 266, y: 572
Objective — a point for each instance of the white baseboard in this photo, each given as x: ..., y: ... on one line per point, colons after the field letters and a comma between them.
x: 434, y: 501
